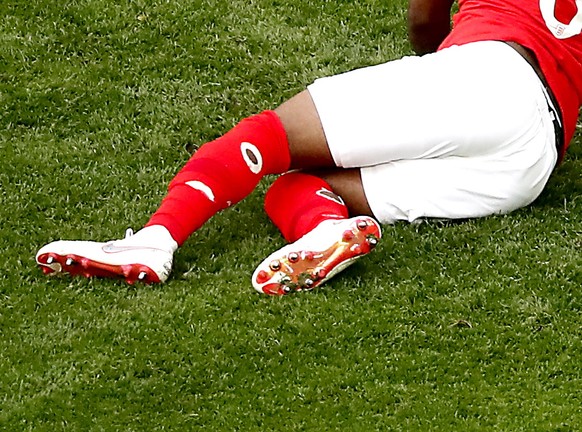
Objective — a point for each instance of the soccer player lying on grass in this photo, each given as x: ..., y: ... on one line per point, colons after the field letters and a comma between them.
x: 471, y: 127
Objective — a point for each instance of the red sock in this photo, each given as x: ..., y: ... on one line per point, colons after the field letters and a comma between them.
x: 298, y: 202
x: 223, y: 172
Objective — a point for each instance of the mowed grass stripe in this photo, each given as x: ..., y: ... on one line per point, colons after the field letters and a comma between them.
x: 472, y: 325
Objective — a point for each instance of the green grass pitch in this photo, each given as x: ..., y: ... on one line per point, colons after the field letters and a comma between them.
x: 468, y: 326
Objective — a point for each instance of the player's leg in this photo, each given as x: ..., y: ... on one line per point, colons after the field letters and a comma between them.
x: 218, y: 175
x: 223, y: 172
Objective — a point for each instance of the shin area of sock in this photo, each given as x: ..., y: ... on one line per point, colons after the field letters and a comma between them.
x: 298, y: 202
x: 223, y: 172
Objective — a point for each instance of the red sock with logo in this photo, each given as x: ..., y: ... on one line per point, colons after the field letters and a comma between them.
x: 298, y: 202
x: 223, y: 172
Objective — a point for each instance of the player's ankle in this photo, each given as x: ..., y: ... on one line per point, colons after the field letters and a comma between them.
x: 157, y: 235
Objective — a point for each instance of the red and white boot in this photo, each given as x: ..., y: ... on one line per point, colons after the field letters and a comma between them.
x: 317, y: 256
x: 146, y: 256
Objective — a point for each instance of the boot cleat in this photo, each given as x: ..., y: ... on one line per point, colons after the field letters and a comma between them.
x: 317, y: 256
x: 293, y: 257
x: 362, y: 225
x: 372, y: 240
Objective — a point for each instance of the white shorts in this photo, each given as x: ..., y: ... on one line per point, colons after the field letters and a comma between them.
x: 464, y: 132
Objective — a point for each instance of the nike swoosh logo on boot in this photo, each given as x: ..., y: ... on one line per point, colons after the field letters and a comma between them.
x: 111, y: 248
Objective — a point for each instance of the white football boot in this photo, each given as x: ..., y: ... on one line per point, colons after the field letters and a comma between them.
x: 146, y: 256
x: 317, y: 256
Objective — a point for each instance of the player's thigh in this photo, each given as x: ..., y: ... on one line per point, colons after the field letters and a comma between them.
x: 465, y: 101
